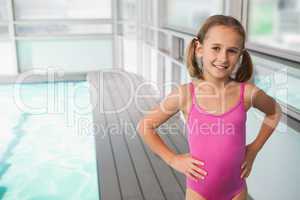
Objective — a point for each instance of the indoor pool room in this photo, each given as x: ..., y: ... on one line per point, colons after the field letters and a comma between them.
x: 131, y: 99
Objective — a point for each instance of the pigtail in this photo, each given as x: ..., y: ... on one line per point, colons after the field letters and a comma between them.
x: 245, y: 71
x: 191, y: 60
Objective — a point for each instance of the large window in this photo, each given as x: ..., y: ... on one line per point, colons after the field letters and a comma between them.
x: 188, y: 15
x: 275, y: 23
x: 62, y: 29
x: 127, y: 9
x: 280, y: 80
x: 130, y: 55
x: 6, y: 56
x: 69, y: 35
x: 6, y: 46
x: 3, y: 10
x: 62, y: 9
x: 65, y: 55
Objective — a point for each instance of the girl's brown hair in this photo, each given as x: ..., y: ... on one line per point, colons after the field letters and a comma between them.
x: 244, y: 72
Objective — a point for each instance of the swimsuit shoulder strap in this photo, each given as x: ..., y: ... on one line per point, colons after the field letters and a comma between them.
x: 192, y: 92
x: 242, y: 89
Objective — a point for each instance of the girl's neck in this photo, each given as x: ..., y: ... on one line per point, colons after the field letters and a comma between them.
x: 218, y: 83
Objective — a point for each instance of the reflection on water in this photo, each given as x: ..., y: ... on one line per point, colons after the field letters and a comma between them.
x: 42, y: 155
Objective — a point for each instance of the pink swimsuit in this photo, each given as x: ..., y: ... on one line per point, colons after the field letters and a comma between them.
x: 218, y: 141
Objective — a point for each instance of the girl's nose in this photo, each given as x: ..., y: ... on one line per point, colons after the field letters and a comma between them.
x: 222, y: 56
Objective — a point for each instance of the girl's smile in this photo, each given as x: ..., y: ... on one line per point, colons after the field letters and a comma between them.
x: 221, y: 67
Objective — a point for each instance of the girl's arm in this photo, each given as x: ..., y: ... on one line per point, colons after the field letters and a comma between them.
x: 263, y: 102
x: 157, y: 116
x: 260, y: 100
x: 183, y: 163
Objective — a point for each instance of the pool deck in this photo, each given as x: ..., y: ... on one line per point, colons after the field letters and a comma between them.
x: 127, y: 169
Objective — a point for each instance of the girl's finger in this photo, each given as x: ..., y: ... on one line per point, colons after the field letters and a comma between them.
x: 197, y: 162
x: 248, y: 173
x: 190, y: 176
x: 244, y: 164
x: 195, y: 174
x: 243, y: 173
x: 201, y: 171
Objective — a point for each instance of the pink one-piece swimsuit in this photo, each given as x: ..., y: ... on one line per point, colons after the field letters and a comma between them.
x: 219, y: 141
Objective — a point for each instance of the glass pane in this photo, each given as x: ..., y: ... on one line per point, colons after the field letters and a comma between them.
x: 280, y: 81
x: 163, y: 42
x: 275, y: 23
x: 3, y: 31
x: 66, y: 55
x: 147, y: 16
x: 145, y: 71
x: 62, y: 9
x: 62, y: 29
x: 176, y: 78
x: 50, y: 154
x: 6, y: 57
x: 168, y: 76
x: 127, y: 9
x: 178, y: 17
x: 184, y: 75
x: 129, y: 29
x: 130, y: 55
x: 3, y: 10
x: 149, y: 36
x: 154, y: 67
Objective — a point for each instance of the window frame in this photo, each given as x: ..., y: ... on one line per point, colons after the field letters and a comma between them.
x: 181, y: 29
x: 284, y: 54
x: 292, y: 66
x: 12, y: 24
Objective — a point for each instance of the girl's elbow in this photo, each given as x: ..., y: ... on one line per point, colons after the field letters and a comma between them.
x: 142, y: 126
x: 276, y: 112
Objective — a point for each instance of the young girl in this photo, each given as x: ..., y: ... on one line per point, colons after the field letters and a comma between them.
x: 215, y: 105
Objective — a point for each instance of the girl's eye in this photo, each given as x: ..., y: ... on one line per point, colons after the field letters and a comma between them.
x: 232, y: 51
x: 216, y: 48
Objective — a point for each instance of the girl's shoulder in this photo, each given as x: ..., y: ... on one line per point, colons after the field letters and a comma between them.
x: 250, y: 92
x: 183, y: 92
x: 251, y: 88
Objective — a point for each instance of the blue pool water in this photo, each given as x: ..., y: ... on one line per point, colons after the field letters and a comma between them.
x: 47, y: 150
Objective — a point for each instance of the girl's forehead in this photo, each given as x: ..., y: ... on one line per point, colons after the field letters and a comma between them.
x: 223, y: 35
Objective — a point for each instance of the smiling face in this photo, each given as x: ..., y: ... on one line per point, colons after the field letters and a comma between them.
x: 221, y: 50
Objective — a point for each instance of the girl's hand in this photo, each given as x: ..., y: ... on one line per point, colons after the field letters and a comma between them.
x: 189, y: 166
x: 249, y: 160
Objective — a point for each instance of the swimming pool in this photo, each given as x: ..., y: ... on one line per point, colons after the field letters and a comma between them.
x: 47, y: 148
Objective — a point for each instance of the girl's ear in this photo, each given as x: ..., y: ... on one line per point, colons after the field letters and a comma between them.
x: 198, y: 49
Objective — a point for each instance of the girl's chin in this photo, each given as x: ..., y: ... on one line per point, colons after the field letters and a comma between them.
x: 220, y: 74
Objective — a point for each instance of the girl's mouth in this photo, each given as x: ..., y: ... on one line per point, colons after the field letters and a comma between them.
x: 221, y: 67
